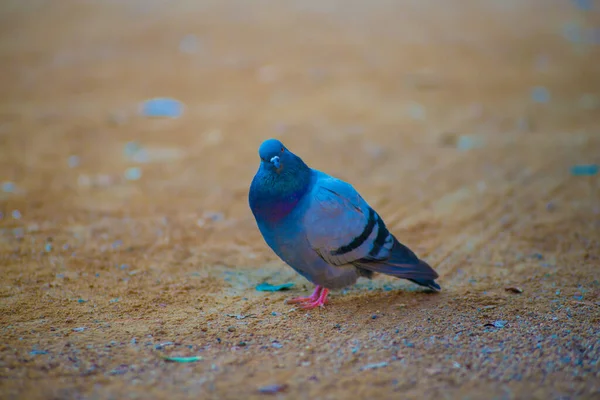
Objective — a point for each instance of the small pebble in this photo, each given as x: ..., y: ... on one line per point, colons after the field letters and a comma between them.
x: 80, y: 329
x: 162, y: 107
x: 8, y: 187
x: 48, y: 247
x: 273, y: 389
x: 133, y: 174
x: 84, y: 180
x: 276, y: 345
x: 16, y: 214
x: 373, y: 316
x: 469, y: 142
x: 514, y: 289
x: 416, y: 111
x: 189, y: 44
x: 73, y: 161
x: 231, y: 329
x: 499, y: 324
x: 540, y: 94
x: 374, y: 366
x: 589, y: 102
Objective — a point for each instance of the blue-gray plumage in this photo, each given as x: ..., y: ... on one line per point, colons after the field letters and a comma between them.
x: 323, y: 228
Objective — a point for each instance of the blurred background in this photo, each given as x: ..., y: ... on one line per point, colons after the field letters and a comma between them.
x: 128, y: 139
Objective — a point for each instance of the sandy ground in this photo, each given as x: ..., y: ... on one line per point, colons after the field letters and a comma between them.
x: 429, y: 108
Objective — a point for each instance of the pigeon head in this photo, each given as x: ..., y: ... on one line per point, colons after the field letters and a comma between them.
x: 275, y: 157
x: 282, y: 179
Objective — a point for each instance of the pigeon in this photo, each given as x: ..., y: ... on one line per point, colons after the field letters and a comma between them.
x: 322, y: 227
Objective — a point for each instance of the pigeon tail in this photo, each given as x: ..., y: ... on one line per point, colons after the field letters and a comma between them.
x: 403, y: 263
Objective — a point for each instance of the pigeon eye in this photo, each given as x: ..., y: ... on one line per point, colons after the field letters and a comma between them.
x: 281, y: 149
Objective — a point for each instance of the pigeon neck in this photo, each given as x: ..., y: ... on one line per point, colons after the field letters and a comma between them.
x: 274, y: 196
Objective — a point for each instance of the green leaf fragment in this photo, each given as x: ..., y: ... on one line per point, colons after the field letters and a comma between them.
x: 267, y: 287
x: 182, y: 359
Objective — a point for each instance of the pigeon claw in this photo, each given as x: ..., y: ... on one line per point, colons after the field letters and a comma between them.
x: 317, y: 299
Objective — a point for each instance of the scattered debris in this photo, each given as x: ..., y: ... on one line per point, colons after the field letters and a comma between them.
x: 162, y: 107
x: 584, y: 170
x: 514, y: 289
x: 80, y: 329
x: 374, y: 366
x: 273, y: 389
x: 120, y: 370
x: 496, y: 324
x: 276, y: 345
x: 35, y: 352
x: 239, y: 316
x: 163, y: 345
x: 585, y: 303
x: 267, y: 287
x: 181, y: 359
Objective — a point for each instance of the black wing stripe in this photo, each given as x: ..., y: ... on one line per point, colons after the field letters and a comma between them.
x: 382, y: 236
x: 360, y: 239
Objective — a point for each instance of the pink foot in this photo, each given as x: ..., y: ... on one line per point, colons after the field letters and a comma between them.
x: 317, y: 299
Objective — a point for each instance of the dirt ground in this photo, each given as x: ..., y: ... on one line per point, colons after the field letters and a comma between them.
x: 125, y: 238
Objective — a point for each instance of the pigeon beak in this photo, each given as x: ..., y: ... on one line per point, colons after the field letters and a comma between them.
x: 275, y: 161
